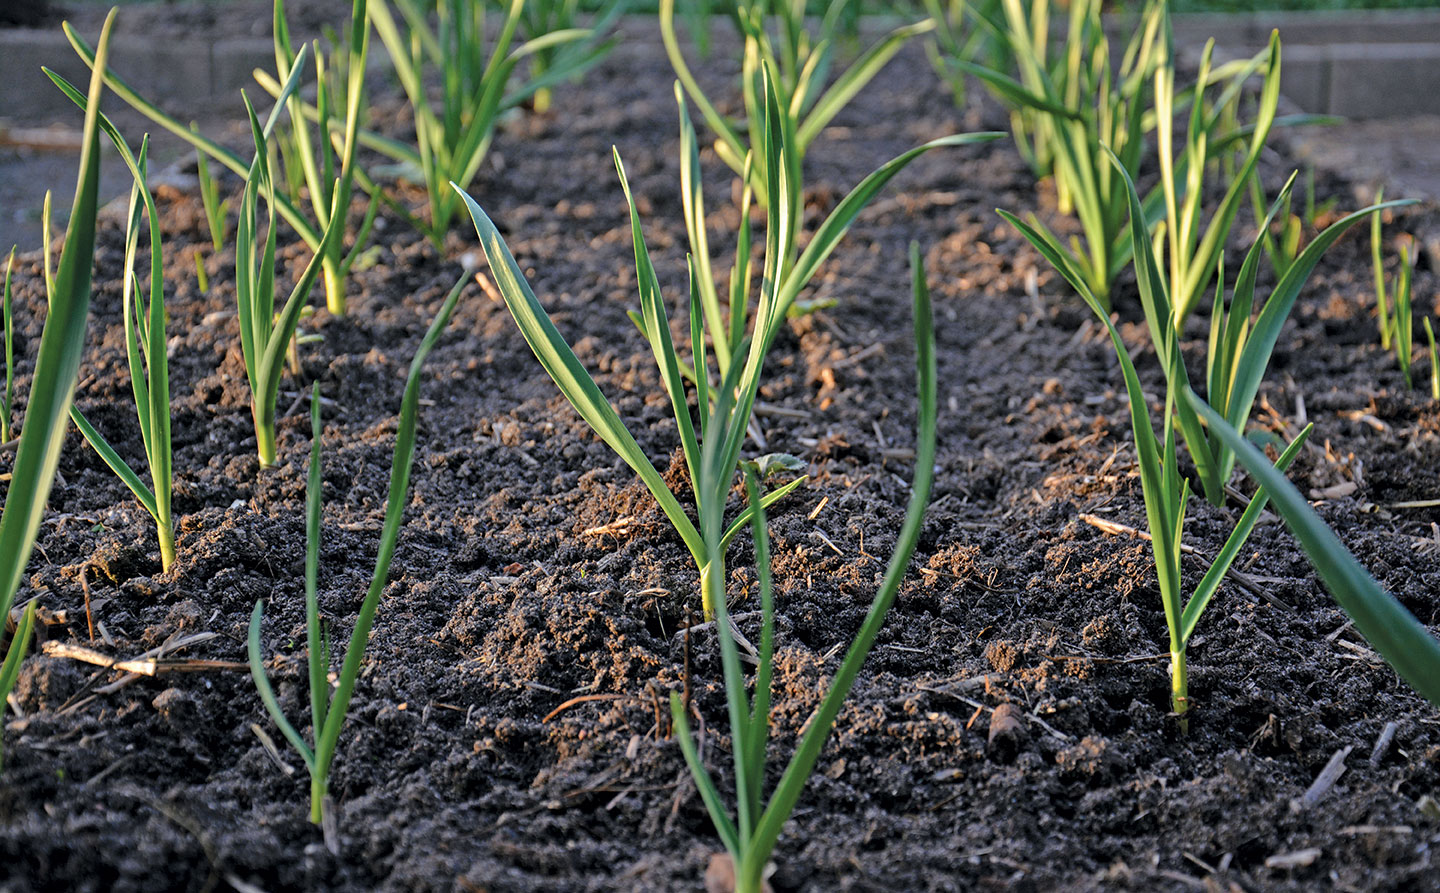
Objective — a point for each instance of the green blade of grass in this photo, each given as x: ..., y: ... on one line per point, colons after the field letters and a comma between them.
x: 657, y: 330
x: 14, y: 656
x: 829, y: 233
x: 316, y: 652
x: 760, y: 711
x: 1254, y: 359
x: 569, y: 374
x: 267, y: 694
x: 307, y: 230
x: 1196, y: 275
x: 8, y: 404
x: 1014, y: 91
x: 692, y: 198
x: 1163, y: 506
x: 1237, y: 322
x: 1402, y: 640
x: 62, y: 343
x: 699, y: 370
x: 118, y: 465
x: 854, y: 79
x: 1404, y: 319
x: 722, y: 128
x: 58, y: 361
x: 272, y: 359
x: 1434, y: 359
x: 1382, y: 306
x: 1164, y: 319
x: 145, y: 348
x: 767, y: 500
x: 328, y: 738
x: 709, y: 794
x: 792, y: 782
x: 1200, y: 599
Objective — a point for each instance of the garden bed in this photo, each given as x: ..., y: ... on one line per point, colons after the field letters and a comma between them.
x: 507, y: 734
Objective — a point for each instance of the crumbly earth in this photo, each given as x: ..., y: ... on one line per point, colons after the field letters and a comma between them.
x: 506, y: 734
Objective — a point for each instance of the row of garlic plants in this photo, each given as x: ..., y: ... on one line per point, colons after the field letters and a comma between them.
x: 1087, y: 123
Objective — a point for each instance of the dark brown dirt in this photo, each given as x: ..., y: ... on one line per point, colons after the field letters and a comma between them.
x: 458, y: 769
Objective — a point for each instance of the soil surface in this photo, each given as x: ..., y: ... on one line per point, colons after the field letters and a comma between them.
x: 505, y: 734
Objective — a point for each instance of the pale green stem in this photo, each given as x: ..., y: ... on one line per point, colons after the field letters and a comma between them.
x: 1179, y: 687
x: 264, y: 438
x: 317, y: 798
x: 707, y: 595
x: 166, y: 532
x: 334, y: 286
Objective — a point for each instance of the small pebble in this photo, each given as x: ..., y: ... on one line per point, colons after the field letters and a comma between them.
x: 1007, y: 734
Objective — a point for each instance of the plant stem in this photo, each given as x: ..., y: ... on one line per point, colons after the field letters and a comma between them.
x: 166, y: 532
x: 1179, y: 687
x: 317, y: 799
x: 334, y: 286
x: 264, y: 437
x: 748, y: 880
x: 707, y: 594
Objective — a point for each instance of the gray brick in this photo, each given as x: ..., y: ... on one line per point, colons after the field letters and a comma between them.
x: 232, y: 64
x: 1384, y: 80
x: 1305, y: 77
x: 28, y: 93
x: 1311, y: 28
x: 162, y: 70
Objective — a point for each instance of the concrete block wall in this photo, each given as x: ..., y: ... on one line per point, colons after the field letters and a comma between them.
x: 173, y: 73
x: 1356, y: 64
x: 1361, y: 65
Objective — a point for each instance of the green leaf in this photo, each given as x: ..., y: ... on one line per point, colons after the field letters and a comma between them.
x: 7, y: 403
x: 692, y: 203
x: 328, y: 738
x: 15, y: 655
x: 1393, y: 631
x: 267, y: 694
x: 62, y: 343
x: 855, y: 78
x: 293, y: 216
x: 118, y: 465
x: 766, y: 501
x: 1201, y: 265
x: 145, y: 345
x: 829, y: 233
x: 1261, y: 342
x: 1163, y: 506
x: 657, y: 330
x: 792, y: 782
x: 1013, y: 91
x: 317, y: 652
x: 1210, y: 583
x: 569, y: 374
x: 760, y: 711
x: 771, y: 464
x: 725, y: 133
x: 709, y: 794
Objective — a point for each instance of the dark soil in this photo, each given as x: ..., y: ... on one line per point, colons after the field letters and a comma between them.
x: 468, y: 764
